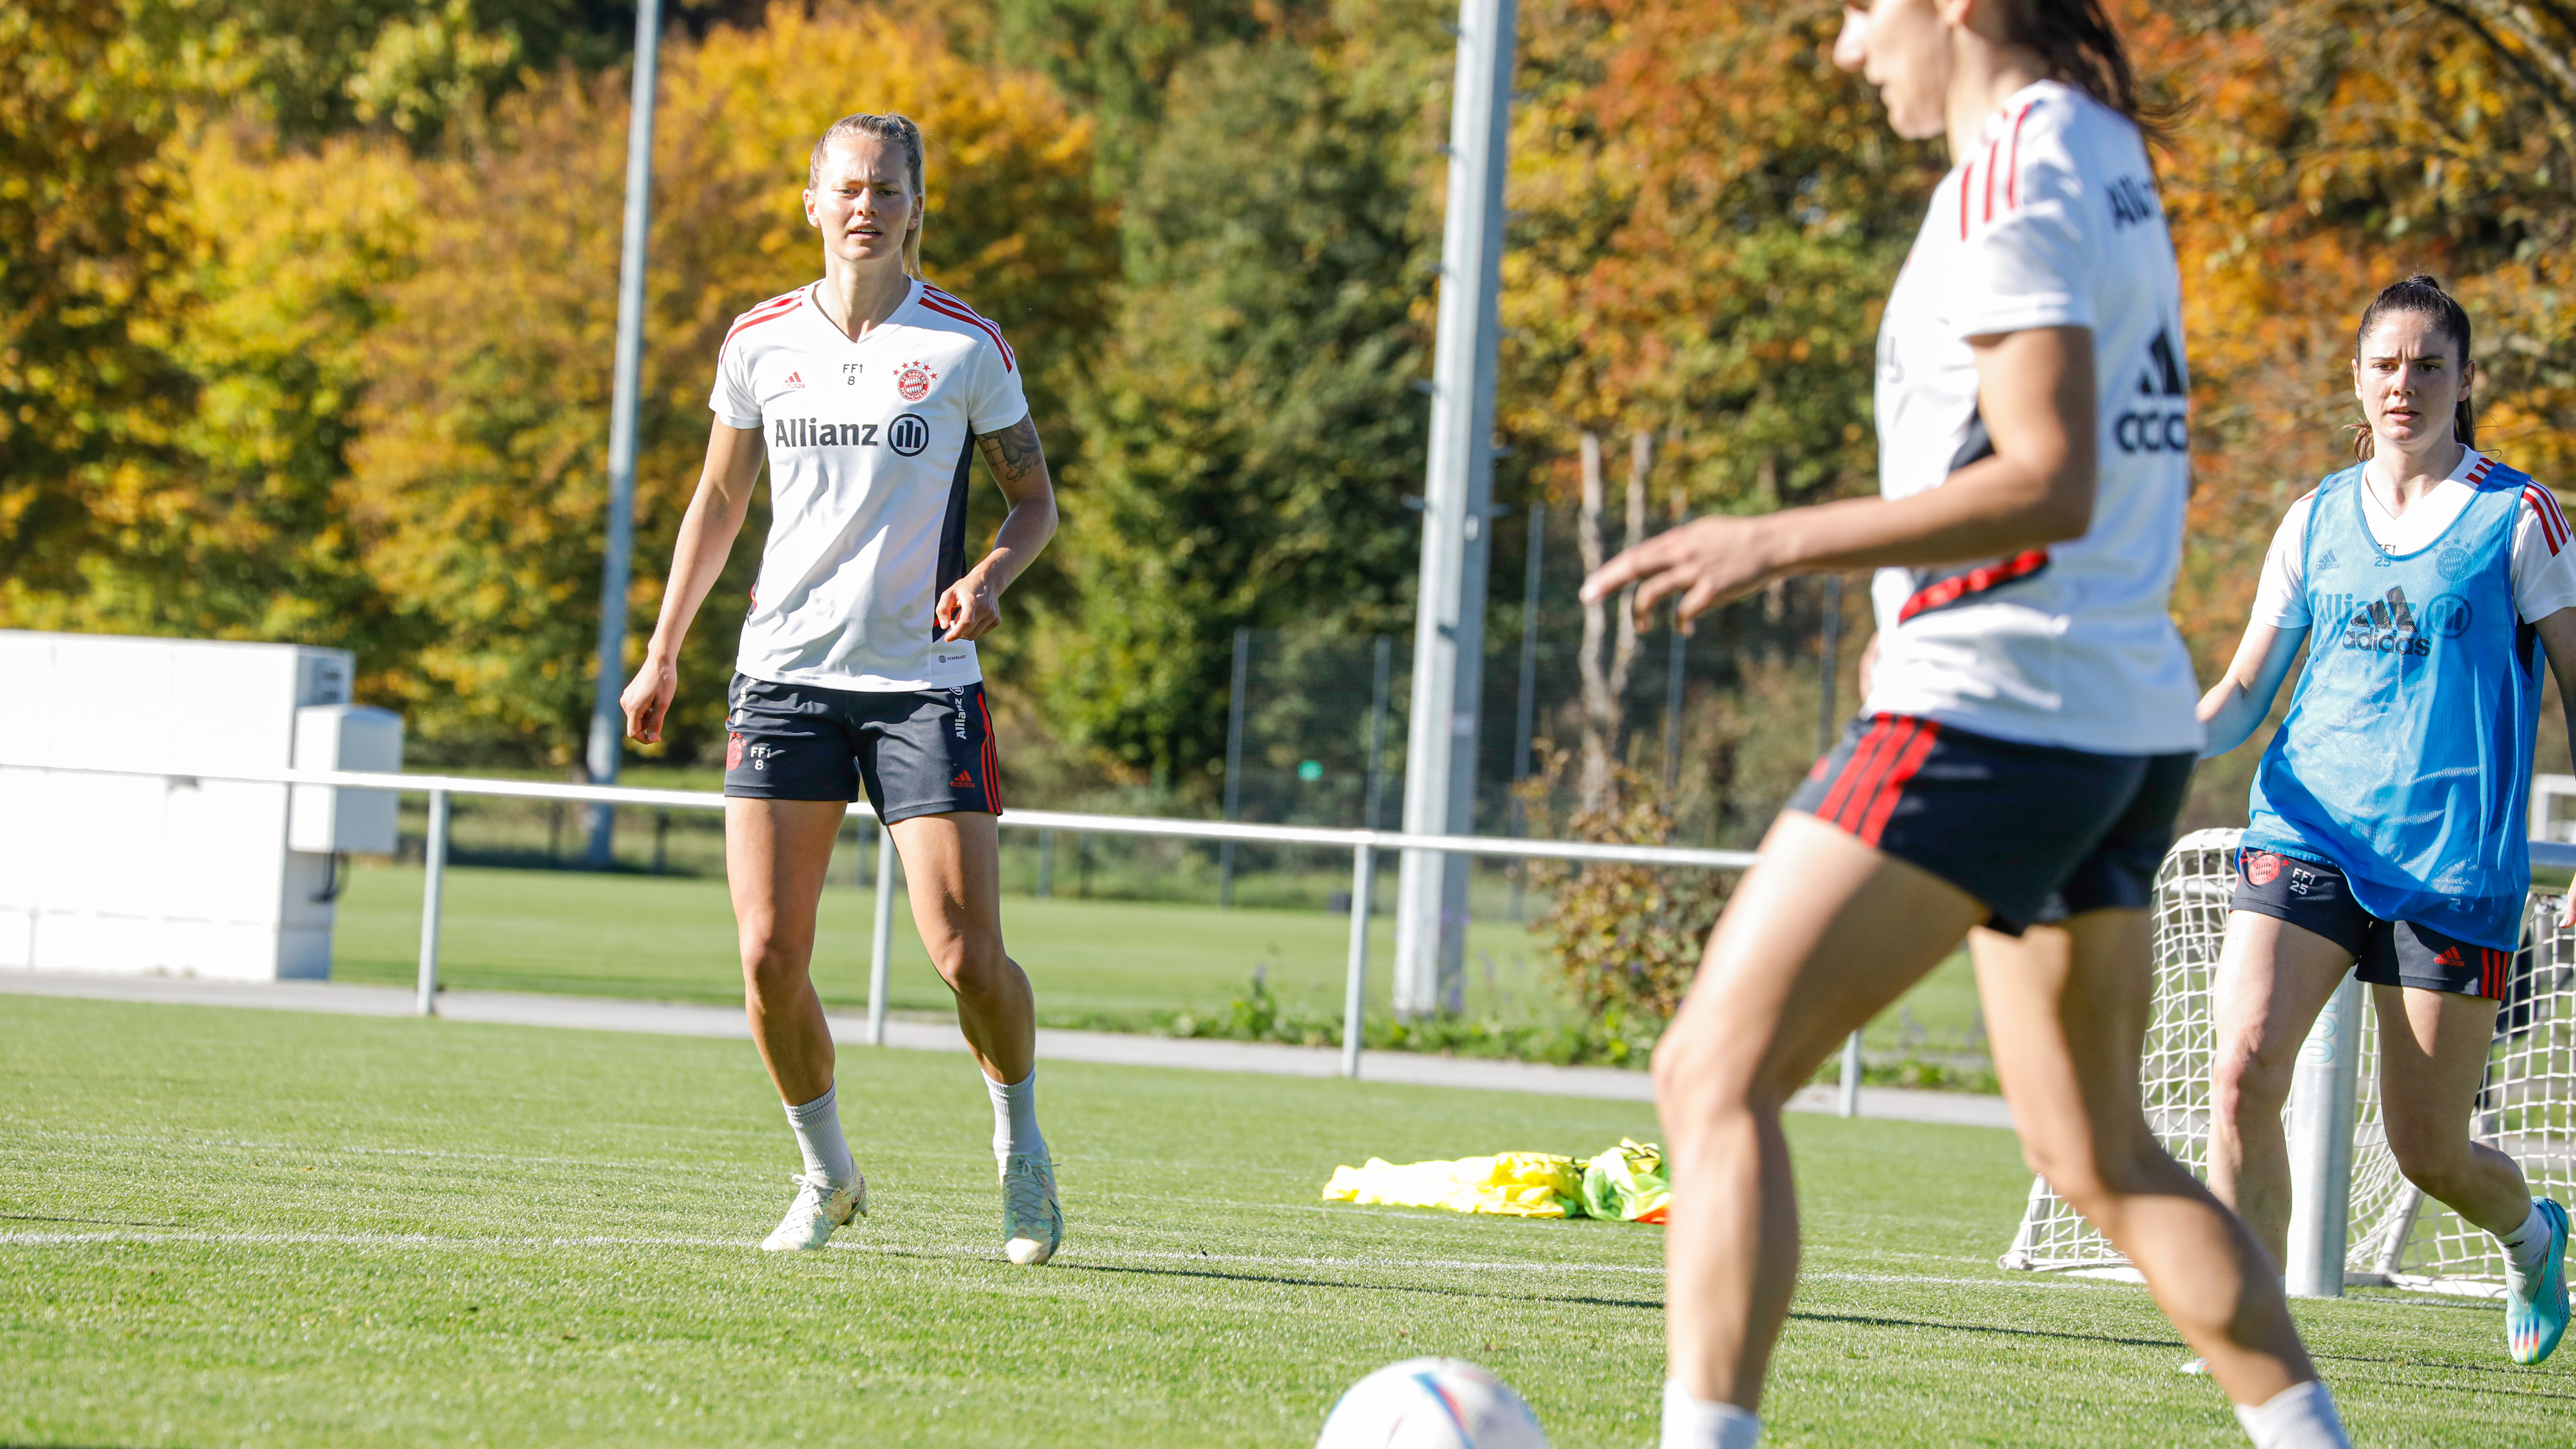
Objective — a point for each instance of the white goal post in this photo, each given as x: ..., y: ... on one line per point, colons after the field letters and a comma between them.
x: 2388, y: 1233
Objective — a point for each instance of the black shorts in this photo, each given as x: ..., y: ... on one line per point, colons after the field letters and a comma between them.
x: 2314, y: 896
x: 2035, y: 832
x: 916, y: 752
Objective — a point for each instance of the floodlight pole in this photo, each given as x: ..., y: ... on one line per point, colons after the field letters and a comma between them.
x: 1449, y: 620
x: 607, y: 717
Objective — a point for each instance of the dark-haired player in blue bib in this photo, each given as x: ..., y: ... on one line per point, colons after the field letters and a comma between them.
x: 2387, y: 833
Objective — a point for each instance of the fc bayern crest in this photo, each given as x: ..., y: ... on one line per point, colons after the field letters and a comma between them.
x: 912, y: 384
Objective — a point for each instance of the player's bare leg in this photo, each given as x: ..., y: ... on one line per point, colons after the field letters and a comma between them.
x: 1820, y: 936
x: 777, y: 855
x: 953, y: 871
x: 953, y: 866
x: 2066, y: 1009
x: 2273, y: 979
x: 2432, y: 1058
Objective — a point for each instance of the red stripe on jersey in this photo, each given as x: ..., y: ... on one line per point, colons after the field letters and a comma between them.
x: 2544, y: 506
x: 1862, y: 755
x: 1892, y: 789
x: 1991, y: 148
x: 1965, y: 172
x: 948, y: 306
x: 1974, y: 581
x: 1864, y: 796
x: 2012, y: 164
x: 774, y: 307
x: 2479, y: 473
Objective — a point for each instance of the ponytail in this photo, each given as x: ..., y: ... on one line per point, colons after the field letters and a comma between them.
x: 2078, y: 44
x: 2421, y: 295
x: 895, y: 130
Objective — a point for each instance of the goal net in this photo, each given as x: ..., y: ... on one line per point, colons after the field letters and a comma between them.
x: 2527, y: 1106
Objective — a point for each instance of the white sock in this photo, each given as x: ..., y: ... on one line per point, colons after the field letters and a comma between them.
x: 1015, y: 1118
x: 818, y: 1137
x: 2299, y: 1417
x: 1699, y: 1424
x: 2528, y: 1245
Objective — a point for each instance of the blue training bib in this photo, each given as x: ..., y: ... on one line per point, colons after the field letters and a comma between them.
x: 2406, y: 757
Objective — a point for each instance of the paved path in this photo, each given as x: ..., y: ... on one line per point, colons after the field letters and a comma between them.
x: 518, y: 1008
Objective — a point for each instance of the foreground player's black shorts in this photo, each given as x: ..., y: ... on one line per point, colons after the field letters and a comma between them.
x: 916, y: 752
x: 2035, y: 832
x: 2314, y: 896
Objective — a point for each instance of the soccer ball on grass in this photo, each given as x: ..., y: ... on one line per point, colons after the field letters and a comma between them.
x: 1431, y: 1403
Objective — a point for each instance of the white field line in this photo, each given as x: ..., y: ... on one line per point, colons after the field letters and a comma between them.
x: 433, y: 1153
x: 1079, y: 1252
x: 1073, y: 1256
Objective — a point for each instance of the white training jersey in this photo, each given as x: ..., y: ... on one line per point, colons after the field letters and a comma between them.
x: 2544, y: 567
x: 870, y: 443
x: 2050, y: 220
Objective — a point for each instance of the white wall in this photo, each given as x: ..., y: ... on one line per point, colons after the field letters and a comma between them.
x: 152, y: 875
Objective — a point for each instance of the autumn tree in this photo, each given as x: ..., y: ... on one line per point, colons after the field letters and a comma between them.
x: 87, y: 396
x: 1253, y: 425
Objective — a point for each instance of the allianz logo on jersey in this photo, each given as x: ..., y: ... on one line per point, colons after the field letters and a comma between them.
x: 907, y: 434
x: 2392, y: 625
x: 2163, y: 426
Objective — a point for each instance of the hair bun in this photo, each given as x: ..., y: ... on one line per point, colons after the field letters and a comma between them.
x: 2425, y: 279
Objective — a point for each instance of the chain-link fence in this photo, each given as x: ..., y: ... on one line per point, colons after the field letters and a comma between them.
x: 1724, y: 721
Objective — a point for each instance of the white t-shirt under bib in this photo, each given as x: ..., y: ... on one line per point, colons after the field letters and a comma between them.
x: 2544, y: 567
x: 2050, y: 220
x: 870, y: 443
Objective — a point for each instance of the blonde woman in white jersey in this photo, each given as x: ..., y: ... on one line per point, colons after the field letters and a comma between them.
x: 2029, y: 729
x: 868, y: 394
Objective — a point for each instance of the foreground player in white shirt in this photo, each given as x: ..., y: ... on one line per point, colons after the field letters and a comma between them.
x: 2029, y: 732
x: 857, y: 668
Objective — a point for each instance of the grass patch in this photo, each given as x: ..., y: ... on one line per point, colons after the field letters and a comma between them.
x: 233, y: 1227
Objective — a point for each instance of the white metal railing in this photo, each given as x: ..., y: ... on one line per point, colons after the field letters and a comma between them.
x: 1364, y: 846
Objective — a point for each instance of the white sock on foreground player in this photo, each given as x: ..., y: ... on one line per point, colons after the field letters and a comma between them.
x: 1015, y: 1118
x: 2299, y: 1417
x: 1700, y: 1424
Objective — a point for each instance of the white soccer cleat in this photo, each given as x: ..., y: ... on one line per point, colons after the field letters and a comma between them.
x: 818, y: 1209
x: 1032, y: 1224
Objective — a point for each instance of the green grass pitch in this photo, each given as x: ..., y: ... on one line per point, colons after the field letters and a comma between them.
x: 1094, y: 962
x: 236, y: 1227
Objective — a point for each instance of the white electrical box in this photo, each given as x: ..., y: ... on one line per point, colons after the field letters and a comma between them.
x: 2546, y: 793
x: 326, y: 819
x: 165, y: 873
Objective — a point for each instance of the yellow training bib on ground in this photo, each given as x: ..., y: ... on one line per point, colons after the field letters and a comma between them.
x: 1515, y: 1184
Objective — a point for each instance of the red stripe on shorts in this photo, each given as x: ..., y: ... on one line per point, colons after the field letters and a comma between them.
x: 992, y: 759
x: 1864, y: 790
x: 1859, y: 762
x: 1892, y: 789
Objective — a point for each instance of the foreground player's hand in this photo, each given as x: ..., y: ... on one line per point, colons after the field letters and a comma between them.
x: 2567, y: 910
x: 1707, y: 562
x: 968, y: 609
x: 648, y: 698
